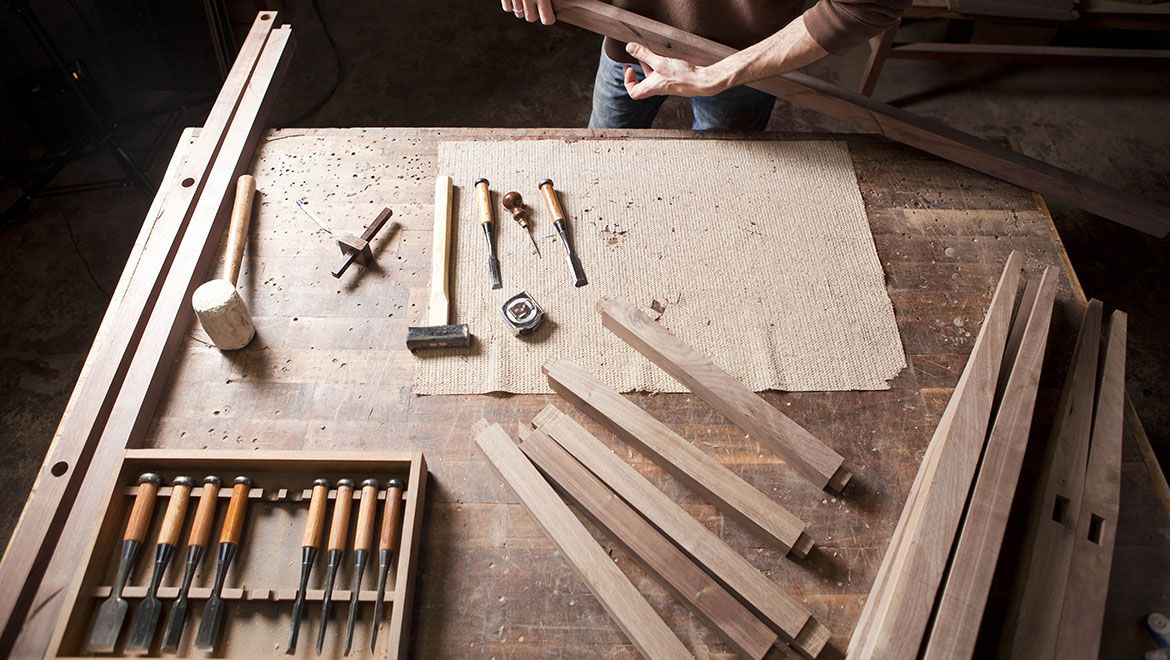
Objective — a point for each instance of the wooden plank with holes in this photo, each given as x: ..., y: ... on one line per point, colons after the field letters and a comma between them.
x: 717, y: 608
x: 625, y: 605
x: 680, y: 458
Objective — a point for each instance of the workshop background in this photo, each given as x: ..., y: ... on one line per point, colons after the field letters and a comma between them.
x: 376, y: 63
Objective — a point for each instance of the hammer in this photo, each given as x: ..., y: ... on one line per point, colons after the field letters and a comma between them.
x: 220, y: 309
x: 438, y: 334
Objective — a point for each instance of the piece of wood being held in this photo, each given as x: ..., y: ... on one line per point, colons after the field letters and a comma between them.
x: 221, y: 310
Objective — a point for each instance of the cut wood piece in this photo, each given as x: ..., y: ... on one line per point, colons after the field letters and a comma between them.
x: 1033, y: 616
x: 673, y: 453
x: 162, y: 335
x: 725, y: 394
x: 781, y: 611
x: 629, y: 610
x: 964, y: 596
x: 78, y: 433
x: 1088, y: 575
x: 872, y: 116
x: 899, y: 606
x: 717, y: 608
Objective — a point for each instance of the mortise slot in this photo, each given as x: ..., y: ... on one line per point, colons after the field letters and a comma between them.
x: 1060, y: 509
x: 1096, y: 528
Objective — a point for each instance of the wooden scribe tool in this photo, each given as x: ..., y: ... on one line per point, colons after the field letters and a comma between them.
x: 357, y: 248
x: 437, y: 333
x: 217, y: 303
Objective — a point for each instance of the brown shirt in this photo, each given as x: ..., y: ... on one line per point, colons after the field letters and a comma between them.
x: 836, y: 25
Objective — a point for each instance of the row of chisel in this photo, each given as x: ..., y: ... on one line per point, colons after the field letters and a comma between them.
x: 111, y: 615
x: 335, y: 549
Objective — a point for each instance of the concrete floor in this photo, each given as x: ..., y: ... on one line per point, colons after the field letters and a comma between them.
x: 1108, y: 122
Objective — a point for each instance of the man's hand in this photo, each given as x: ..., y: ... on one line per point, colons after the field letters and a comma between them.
x: 530, y: 10
x: 666, y: 76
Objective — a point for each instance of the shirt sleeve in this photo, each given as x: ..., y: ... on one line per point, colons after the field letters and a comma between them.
x: 838, y: 25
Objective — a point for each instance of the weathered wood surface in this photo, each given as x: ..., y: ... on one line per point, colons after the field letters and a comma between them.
x: 328, y: 369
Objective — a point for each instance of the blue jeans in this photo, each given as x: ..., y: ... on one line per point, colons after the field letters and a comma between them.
x: 737, y: 109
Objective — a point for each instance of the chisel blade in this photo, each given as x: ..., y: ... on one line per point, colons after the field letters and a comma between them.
x: 494, y: 268
x: 209, y: 626
x: 104, y: 636
x: 144, y: 625
x: 175, y: 621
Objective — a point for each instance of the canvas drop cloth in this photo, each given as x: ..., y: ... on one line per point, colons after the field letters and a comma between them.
x: 757, y: 253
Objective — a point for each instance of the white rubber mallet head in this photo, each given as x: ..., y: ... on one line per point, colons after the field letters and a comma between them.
x: 221, y: 310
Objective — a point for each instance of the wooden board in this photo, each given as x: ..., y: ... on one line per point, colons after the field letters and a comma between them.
x: 874, y: 117
x: 784, y: 613
x: 1033, y: 620
x: 613, y: 589
x: 680, y: 458
x: 717, y: 608
x: 729, y: 397
x: 961, y: 602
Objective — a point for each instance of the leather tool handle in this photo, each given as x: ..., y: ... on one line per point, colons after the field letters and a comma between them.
x: 140, y: 513
x: 392, y: 517
x: 233, y: 524
x: 315, y: 522
x: 484, y: 194
x: 238, y: 230
x: 551, y: 200
x: 176, y: 513
x: 367, y: 513
x: 205, y: 512
x: 439, y: 308
x: 339, y: 526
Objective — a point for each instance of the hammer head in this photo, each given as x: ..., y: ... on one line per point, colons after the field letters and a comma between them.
x: 438, y: 336
x: 223, y: 315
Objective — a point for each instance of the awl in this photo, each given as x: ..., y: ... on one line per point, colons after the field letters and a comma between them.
x: 558, y: 213
x: 229, y: 541
x: 338, y: 529
x: 487, y: 218
x: 387, y: 545
x: 310, y: 545
x: 145, y: 622
x: 196, y: 545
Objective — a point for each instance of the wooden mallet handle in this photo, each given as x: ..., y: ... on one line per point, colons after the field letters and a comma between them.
x: 392, y: 516
x: 176, y: 513
x: 551, y: 200
x: 484, y: 194
x: 238, y: 230
x: 367, y: 511
x: 205, y: 512
x: 315, y: 522
x: 140, y: 513
x: 233, y: 524
x: 339, y: 526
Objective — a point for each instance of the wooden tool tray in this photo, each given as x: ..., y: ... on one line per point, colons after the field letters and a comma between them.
x: 262, y: 581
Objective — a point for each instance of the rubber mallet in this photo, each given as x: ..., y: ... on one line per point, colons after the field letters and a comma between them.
x: 217, y: 303
x: 438, y: 334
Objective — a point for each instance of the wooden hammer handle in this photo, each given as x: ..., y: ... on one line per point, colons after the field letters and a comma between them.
x: 483, y: 193
x: 143, y: 508
x: 551, y: 200
x: 233, y: 523
x: 238, y: 230
x: 438, y: 309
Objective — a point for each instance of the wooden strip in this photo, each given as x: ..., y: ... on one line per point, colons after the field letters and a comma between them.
x: 960, y: 608
x: 163, y: 335
x: 699, y: 471
x: 1032, y: 622
x: 1088, y: 575
x: 784, y: 613
x: 629, y: 610
x: 80, y: 428
x: 717, y: 608
x: 725, y: 394
x: 900, y: 605
x: 872, y: 116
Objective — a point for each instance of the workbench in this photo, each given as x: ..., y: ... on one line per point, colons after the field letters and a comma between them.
x: 329, y: 370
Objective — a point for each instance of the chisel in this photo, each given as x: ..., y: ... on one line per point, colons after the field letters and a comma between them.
x: 145, y: 622
x: 310, y: 545
x: 338, y: 529
x: 488, y: 221
x: 196, y: 545
x: 229, y: 540
x: 387, y: 545
x: 558, y: 213
x: 363, y: 540
x: 106, y: 628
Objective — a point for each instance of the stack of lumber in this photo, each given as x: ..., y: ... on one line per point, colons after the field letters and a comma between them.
x: 931, y: 590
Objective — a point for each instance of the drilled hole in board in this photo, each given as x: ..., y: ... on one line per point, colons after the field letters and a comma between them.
x: 265, y: 17
x: 1060, y: 509
x: 188, y: 182
x: 59, y: 468
x: 1096, y: 528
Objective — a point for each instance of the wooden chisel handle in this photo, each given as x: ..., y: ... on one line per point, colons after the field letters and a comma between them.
x: 176, y: 513
x: 339, y: 527
x: 315, y: 522
x: 392, y: 516
x: 238, y: 229
x: 205, y: 512
x: 484, y: 194
x: 551, y: 200
x: 233, y: 524
x: 140, y: 513
x: 367, y: 512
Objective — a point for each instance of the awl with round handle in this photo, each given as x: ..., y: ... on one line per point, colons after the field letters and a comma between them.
x: 145, y: 621
x: 559, y: 221
x: 103, y: 637
x: 310, y: 546
x: 196, y: 546
x: 487, y: 219
x: 229, y: 542
x: 387, y: 546
x: 363, y: 540
x: 338, y: 530
x: 221, y: 310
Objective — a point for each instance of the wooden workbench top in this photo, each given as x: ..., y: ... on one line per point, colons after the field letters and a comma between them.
x: 329, y: 369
